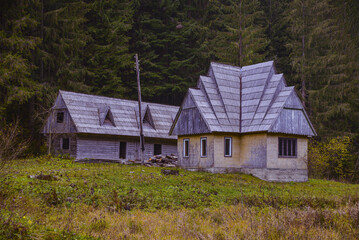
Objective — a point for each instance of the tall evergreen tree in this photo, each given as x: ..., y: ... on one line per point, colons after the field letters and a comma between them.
x: 238, y: 32
x: 169, y: 43
x: 323, y: 58
x: 107, y: 54
x: 64, y: 41
x: 17, y: 42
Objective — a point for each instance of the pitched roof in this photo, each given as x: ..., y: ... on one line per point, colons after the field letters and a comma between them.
x: 89, y: 111
x: 264, y: 96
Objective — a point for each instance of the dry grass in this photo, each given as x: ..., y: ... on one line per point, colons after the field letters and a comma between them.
x: 90, y: 202
x: 230, y: 222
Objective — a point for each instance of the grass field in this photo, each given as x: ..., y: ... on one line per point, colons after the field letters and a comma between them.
x: 113, y: 201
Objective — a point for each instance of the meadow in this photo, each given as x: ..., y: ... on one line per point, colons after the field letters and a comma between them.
x: 114, y: 201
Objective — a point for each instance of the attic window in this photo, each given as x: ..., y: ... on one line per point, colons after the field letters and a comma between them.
x: 148, y: 118
x: 287, y: 147
x: 60, y: 117
x: 106, y: 117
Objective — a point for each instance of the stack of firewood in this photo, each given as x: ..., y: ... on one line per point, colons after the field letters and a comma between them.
x: 162, y: 161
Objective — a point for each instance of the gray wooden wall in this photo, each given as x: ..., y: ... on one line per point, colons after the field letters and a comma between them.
x: 107, y: 147
x: 56, y: 146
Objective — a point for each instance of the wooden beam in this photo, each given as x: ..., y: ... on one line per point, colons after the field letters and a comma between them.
x: 142, y: 140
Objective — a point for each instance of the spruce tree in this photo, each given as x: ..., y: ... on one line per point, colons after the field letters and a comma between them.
x: 238, y: 32
x: 17, y: 43
x: 107, y: 53
x: 64, y: 41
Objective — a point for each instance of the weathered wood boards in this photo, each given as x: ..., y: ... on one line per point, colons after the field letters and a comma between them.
x: 96, y: 126
x: 265, y: 96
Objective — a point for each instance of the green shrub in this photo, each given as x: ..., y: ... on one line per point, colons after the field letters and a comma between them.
x: 332, y: 159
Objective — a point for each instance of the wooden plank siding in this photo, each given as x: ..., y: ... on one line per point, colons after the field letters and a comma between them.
x: 57, y: 145
x: 108, y: 147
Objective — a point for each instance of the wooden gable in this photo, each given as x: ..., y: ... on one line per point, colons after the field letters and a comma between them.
x: 293, y: 118
x: 190, y: 120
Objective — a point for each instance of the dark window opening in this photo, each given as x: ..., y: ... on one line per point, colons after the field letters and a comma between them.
x: 186, y: 147
x: 123, y: 148
x: 60, y: 117
x: 228, y: 147
x: 157, y: 149
x: 287, y: 147
x: 65, y: 143
x: 203, y: 147
x: 107, y: 119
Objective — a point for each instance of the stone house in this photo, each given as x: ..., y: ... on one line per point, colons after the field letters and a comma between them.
x: 244, y: 119
x: 102, y: 128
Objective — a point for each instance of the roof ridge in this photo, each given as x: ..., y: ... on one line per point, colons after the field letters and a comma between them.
x: 119, y: 99
x: 261, y: 98
x: 220, y: 97
x: 274, y: 94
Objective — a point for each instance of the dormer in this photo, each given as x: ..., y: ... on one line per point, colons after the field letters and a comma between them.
x: 147, y: 118
x: 106, y: 116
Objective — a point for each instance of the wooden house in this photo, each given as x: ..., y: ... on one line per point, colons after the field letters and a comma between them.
x: 244, y: 119
x: 95, y: 127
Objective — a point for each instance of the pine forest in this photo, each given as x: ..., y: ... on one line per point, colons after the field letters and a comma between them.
x: 88, y: 46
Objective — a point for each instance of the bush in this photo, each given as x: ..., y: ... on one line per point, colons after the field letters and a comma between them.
x: 332, y: 159
x: 12, y: 144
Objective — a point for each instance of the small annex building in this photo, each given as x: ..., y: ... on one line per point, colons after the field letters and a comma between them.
x: 271, y: 140
x: 102, y: 128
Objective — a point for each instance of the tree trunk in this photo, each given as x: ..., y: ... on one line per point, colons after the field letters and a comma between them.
x: 303, y: 82
x: 240, y: 44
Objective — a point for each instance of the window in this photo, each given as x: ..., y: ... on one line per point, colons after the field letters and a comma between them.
x: 228, y: 147
x: 204, y: 147
x: 185, y: 147
x: 287, y: 147
x: 157, y: 149
x: 65, y: 143
x: 107, y: 120
x: 123, y: 148
x: 60, y: 117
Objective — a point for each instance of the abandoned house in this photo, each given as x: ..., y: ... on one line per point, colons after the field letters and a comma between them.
x: 244, y: 119
x: 95, y: 127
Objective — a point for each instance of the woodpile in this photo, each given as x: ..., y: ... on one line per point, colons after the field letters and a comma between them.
x: 162, y: 161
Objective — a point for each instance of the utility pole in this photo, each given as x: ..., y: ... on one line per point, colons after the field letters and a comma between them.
x: 240, y: 101
x: 142, y: 139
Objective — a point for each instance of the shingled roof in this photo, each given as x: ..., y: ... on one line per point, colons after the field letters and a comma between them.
x: 89, y: 111
x: 268, y: 104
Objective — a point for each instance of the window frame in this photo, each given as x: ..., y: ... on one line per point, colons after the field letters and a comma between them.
x: 184, y: 147
x: 205, y: 148
x: 283, y: 146
x: 62, y: 143
x: 57, y: 117
x: 230, y: 147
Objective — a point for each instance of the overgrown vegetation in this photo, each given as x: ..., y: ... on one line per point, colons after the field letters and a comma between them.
x: 12, y: 144
x: 112, y: 201
x: 334, y: 159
